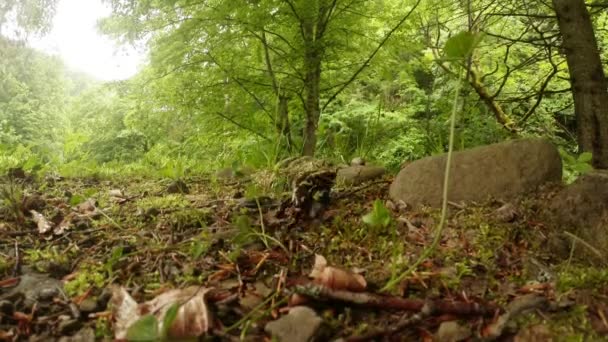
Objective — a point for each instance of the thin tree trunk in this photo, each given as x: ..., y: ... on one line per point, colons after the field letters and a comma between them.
x: 282, y: 121
x: 312, y: 84
x: 589, y: 86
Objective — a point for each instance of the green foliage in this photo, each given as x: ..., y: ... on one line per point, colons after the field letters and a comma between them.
x: 379, y: 217
x: 574, y: 166
x: 11, y: 200
x: 210, y: 95
x: 581, y: 278
x: 87, y: 276
x: 112, y: 260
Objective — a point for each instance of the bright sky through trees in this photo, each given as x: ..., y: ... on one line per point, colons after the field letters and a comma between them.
x: 75, y: 38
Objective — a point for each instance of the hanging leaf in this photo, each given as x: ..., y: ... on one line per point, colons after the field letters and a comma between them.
x: 461, y: 45
x: 585, y: 157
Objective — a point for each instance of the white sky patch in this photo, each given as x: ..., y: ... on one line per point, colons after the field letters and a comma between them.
x: 75, y: 38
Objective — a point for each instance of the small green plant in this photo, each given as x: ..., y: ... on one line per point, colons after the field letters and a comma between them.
x: 200, y: 245
x: 147, y: 328
x: 247, y: 233
x: 11, y: 198
x: 379, y: 218
x: 117, y: 253
x: 575, y: 166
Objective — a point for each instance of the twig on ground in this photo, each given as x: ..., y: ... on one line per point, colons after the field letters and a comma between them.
x: 363, y: 187
x: 373, y: 300
x: 404, y: 322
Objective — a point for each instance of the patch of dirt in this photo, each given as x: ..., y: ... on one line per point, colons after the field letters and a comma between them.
x: 490, y: 274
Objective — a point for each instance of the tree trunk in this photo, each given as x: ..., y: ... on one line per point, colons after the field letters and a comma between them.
x: 589, y: 86
x: 312, y: 84
x: 282, y: 121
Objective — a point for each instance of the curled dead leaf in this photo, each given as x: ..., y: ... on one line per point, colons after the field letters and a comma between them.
x: 44, y: 226
x: 336, y: 278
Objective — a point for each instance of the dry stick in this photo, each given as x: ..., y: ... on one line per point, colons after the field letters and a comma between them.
x: 444, y: 203
x: 372, y: 300
x: 363, y: 187
x: 404, y: 322
x: 586, y: 244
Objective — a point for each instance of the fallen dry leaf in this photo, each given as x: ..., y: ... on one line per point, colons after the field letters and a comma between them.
x: 87, y: 206
x: 44, y: 226
x: 336, y: 278
x: 193, y: 318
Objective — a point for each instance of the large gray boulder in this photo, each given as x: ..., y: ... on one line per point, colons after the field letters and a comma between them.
x: 501, y: 171
x: 580, y: 211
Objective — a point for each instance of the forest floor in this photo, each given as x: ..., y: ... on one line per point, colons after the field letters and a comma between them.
x: 235, y: 266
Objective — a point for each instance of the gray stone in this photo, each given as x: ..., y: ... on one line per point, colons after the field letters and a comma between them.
x: 178, y: 187
x: 452, y: 332
x: 581, y: 209
x: 300, y: 325
x: 68, y: 326
x: 83, y: 335
x: 357, y: 161
x: 88, y: 305
x: 502, y: 171
x: 354, y: 175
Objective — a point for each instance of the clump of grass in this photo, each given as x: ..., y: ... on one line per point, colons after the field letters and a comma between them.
x: 12, y: 199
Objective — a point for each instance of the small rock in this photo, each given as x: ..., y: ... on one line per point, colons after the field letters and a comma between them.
x: 7, y: 307
x: 250, y: 301
x: 225, y: 173
x: 300, y: 325
x: 534, y: 333
x: 83, y: 335
x: 452, y: 332
x: 48, y: 294
x: 87, y: 207
x: 354, y: 175
x: 115, y: 193
x: 262, y: 289
x: 506, y: 213
x: 357, y: 161
x: 88, y: 305
x: 68, y: 326
x: 178, y: 187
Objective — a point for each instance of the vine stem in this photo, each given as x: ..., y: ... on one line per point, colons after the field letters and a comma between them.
x: 444, y: 203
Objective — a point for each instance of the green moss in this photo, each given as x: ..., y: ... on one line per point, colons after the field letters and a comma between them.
x: 168, y: 201
x: 189, y: 218
x: 87, y: 276
x: 40, y: 258
x: 583, y: 277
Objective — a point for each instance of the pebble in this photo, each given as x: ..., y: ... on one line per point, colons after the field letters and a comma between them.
x: 300, y: 325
